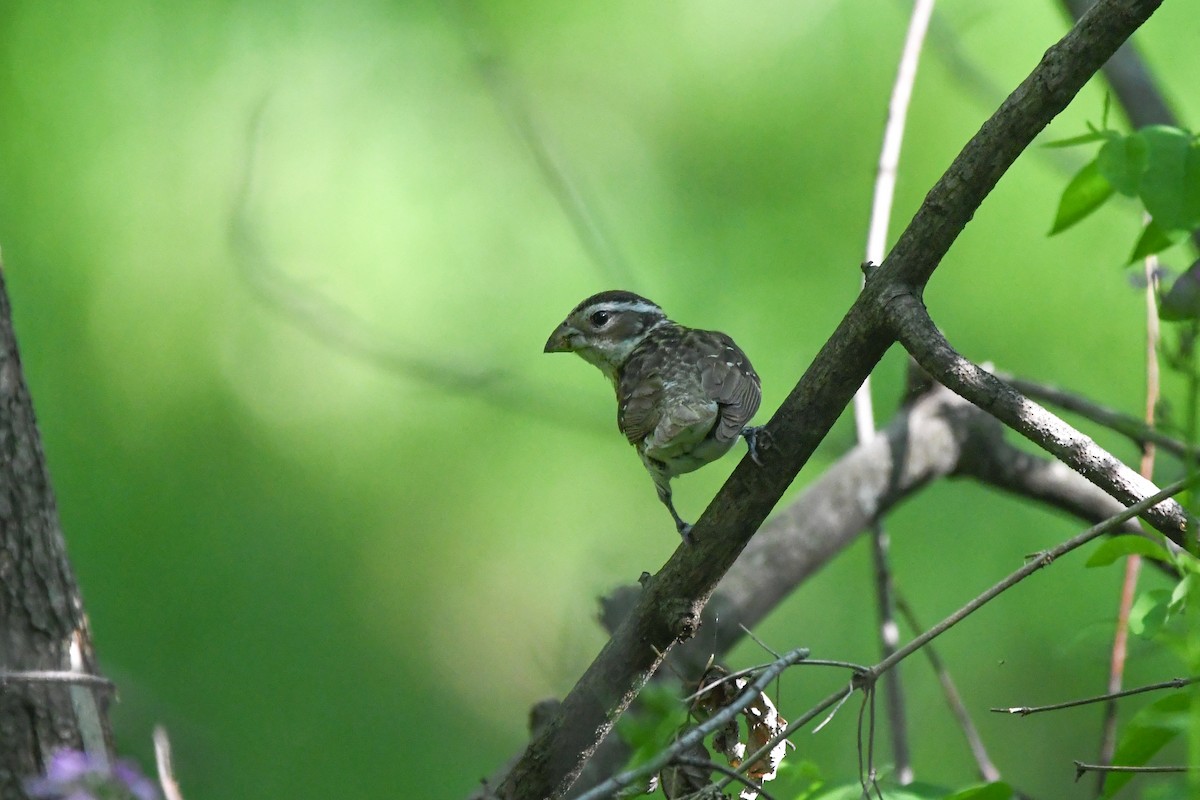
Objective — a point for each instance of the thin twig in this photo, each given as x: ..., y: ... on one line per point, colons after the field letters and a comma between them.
x: 889, y: 640
x: 837, y: 700
x: 1081, y: 768
x: 697, y: 734
x: 56, y: 676
x: 705, y: 763
x: 758, y: 641
x: 828, y: 662
x: 1043, y: 559
x: 983, y: 762
x: 90, y: 716
x: 732, y: 676
x: 893, y: 137
x: 1024, y: 711
x: 166, y: 771
x: 868, y: 777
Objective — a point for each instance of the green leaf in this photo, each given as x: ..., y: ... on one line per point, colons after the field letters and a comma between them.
x: 913, y: 791
x: 798, y: 780
x: 1170, y: 187
x: 1122, y: 160
x: 1149, y: 612
x: 1181, y: 593
x: 1086, y: 138
x: 988, y: 791
x: 1154, y: 239
x: 1146, y: 734
x: 1183, y: 300
x: 1119, y: 546
x: 1086, y: 192
x: 653, y: 727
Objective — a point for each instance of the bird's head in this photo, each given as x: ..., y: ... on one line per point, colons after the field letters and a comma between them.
x: 605, y: 328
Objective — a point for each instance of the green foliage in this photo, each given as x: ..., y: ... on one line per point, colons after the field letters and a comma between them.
x: 1147, y: 733
x: 1182, y: 301
x: 988, y: 791
x: 655, y: 724
x: 1169, y: 174
x: 1159, y: 165
x: 1160, y: 614
x: 1149, y: 612
x: 1120, y: 546
x: 1122, y: 160
x: 799, y: 779
x: 913, y: 791
x: 1167, y: 620
x: 1153, y: 239
x: 1086, y: 192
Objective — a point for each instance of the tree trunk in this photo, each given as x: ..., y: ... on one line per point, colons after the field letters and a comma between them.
x: 43, y: 630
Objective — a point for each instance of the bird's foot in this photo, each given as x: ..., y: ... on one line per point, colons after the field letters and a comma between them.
x: 756, y: 437
x: 685, y: 532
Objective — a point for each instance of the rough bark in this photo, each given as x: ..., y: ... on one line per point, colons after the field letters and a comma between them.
x: 41, y: 611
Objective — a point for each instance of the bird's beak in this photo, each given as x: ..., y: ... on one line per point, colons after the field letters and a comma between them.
x: 561, y: 340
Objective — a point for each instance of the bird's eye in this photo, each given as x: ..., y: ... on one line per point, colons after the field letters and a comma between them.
x: 600, y: 318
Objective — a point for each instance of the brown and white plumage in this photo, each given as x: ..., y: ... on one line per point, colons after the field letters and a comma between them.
x: 684, y: 396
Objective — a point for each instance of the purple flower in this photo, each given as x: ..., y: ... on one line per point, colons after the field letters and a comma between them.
x: 72, y: 775
x: 68, y: 765
x: 138, y: 784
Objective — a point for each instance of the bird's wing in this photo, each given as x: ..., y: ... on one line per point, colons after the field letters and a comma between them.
x: 728, y: 378
x: 639, y: 406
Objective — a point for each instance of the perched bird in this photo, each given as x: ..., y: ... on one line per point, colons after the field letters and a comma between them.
x: 684, y: 396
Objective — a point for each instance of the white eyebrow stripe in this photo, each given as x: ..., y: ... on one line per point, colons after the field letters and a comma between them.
x: 623, y: 306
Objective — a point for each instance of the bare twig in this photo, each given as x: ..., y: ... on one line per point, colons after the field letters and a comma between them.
x: 837, y: 700
x: 732, y: 676
x: 1082, y: 768
x: 733, y: 774
x: 889, y: 640
x: 1024, y: 711
x: 56, y: 676
x: 162, y: 758
x: 866, y: 763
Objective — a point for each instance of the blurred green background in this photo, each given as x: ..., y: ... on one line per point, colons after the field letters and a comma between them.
x: 333, y: 575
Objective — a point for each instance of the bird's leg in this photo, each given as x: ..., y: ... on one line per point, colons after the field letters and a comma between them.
x: 664, y: 494
x: 753, y: 435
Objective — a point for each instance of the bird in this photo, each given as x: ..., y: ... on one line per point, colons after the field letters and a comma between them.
x: 684, y: 395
